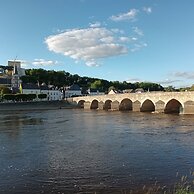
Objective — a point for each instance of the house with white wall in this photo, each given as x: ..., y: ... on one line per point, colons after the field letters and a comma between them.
x: 52, y: 93
x: 73, y: 90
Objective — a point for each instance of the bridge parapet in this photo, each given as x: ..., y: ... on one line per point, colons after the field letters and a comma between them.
x: 157, y: 101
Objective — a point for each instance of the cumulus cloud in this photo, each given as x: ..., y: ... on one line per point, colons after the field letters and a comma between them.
x: 88, y: 45
x: 130, y: 15
x: 147, y: 10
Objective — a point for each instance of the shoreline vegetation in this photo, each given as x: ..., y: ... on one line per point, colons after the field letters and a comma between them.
x: 184, y: 185
x: 36, y: 105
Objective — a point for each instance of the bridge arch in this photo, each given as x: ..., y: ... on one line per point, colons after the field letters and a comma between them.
x: 94, y: 104
x: 126, y: 104
x: 147, y: 106
x: 173, y: 106
x: 81, y: 103
x: 107, y: 104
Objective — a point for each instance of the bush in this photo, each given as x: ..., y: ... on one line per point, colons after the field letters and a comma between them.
x: 9, y: 97
x: 31, y: 96
x: 42, y: 96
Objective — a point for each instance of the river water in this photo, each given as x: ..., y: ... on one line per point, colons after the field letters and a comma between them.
x: 79, y: 151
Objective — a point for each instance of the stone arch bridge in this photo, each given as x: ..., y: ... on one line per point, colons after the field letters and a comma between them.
x: 161, y: 102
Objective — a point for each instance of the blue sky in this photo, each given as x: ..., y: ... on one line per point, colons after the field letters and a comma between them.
x: 126, y: 40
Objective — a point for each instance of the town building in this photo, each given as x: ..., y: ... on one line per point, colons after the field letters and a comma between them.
x: 128, y: 91
x: 113, y: 91
x: 10, y: 75
x: 72, y: 91
x: 139, y: 90
x: 5, y: 82
x: 52, y: 93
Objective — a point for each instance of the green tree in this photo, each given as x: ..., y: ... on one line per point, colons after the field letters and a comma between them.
x: 62, y: 78
x: 191, y: 88
x: 170, y: 89
x: 97, y: 84
x: 5, y: 90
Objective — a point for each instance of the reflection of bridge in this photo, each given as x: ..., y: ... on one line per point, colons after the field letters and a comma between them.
x: 167, y: 102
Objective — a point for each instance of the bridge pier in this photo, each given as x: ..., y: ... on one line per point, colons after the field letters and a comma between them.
x: 188, y: 107
x: 136, y: 106
x: 115, y: 105
x: 159, y: 106
x: 101, y: 105
x: 87, y: 105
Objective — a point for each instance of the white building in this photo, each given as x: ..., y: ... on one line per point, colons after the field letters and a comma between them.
x: 52, y: 94
x: 112, y: 91
x: 73, y: 90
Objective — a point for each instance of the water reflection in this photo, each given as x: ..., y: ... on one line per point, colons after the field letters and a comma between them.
x: 70, y: 151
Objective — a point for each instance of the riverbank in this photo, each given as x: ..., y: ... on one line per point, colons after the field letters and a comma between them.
x: 40, y: 105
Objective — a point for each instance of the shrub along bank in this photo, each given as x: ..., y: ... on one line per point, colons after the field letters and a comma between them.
x: 23, y: 97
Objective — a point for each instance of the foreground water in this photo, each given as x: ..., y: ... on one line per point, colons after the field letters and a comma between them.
x: 77, y: 151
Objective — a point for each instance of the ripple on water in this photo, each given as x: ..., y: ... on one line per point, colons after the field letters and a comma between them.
x: 78, y: 151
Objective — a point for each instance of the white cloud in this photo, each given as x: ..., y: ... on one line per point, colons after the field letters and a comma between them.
x: 138, y: 31
x: 148, y: 10
x: 95, y: 25
x: 125, y: 39
x: 134, y: 80
x: 168, y: 81
x: 134, y: 38
x: 131, y: 15
x: 184, y: 74
x: 116, y: 30
x: 43, y: 62
x: 89, y: 45
x: 37, y: 62
x: 138, y: 46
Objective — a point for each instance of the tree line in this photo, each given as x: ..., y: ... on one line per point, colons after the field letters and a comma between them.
x: 63, y: 78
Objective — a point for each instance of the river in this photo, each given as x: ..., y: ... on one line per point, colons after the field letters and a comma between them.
x: 85, y: 151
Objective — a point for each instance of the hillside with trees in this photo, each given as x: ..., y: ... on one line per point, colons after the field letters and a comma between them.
x: 62, y: 78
